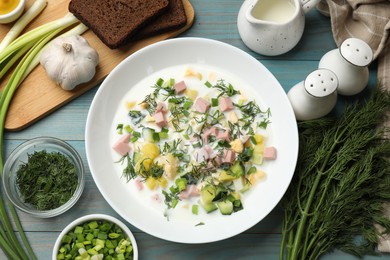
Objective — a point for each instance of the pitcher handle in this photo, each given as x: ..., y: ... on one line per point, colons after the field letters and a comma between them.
x: 307, y: 5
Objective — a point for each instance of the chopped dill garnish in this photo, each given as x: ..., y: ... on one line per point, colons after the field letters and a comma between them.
x: 179, y: 106
x: 197, y: 172
x: 47, y: 180
x: 129, y: 171
x: 227, y: 90
x: 171, y: 198
x: 151, y: 103
x: 264, y: 124
x: 235, y: 130
x: 250, y: 111
x: 177, y: 112
x: 171, y: 147
x: 177, y: 100
x: 136, y: 116
x: 154, y: 170
x: 223, y: 144
x: 161, y: 89
x: 215, y: 118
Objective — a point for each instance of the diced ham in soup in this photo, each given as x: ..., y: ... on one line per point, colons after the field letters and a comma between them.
x: 226, y: 104
x: 160, y: 120
x: 180, y: 87
x: 201, y: 105
x: 122, y: 145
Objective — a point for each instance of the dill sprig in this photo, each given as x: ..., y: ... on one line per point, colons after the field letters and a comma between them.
x: 197, y: 172
x: 341, y: 183
x: 250, y: 111
x: 174, y: 149
x: 128, y: 172
x: 236, y: 131
x: 179, y: 106
x: 224, y: 88
x: 150, y: 101
x: 161, y: 88
x: 171, y: 147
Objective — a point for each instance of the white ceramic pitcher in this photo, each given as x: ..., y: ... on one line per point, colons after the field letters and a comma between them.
x: 272, y: 27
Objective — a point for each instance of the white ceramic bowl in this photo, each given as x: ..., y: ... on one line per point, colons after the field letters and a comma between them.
x: 150, y: 61
x: 91, y: 217
x: 20, y: 156
x: 14, y: 14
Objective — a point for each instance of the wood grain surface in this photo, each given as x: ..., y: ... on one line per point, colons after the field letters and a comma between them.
x: 38, y: 96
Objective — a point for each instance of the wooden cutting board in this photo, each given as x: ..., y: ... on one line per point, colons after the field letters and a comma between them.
x: 38, y: 96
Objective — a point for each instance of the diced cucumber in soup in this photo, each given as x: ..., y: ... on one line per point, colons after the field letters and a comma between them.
x: 234, y: 172
x: 208, y: 207
x: 136, y: 157
x: 149, y: 134
x: 224, y: 176
x: 225, y: 207
x: 208, y: 193
x: 237, y: 169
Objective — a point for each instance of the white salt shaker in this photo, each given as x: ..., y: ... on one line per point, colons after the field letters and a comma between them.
x: 314, y: 97
x: 350, y: 64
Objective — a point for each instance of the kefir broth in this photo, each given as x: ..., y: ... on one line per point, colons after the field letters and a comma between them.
x: 278, y: 11
x: 154, y: 199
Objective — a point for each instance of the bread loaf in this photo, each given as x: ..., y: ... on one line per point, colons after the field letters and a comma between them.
x: 116, y: 21
x: 174, y: 18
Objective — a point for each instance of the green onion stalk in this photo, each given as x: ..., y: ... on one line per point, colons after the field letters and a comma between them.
x: 27, y: 47
x: 24, y: 42
x: 341, y: 183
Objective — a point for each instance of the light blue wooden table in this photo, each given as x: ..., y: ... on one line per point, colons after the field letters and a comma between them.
x: 215, y: 20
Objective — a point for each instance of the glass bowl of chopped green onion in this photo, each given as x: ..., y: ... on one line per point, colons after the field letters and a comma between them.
x: 96, y: 236
x: 43, y: 177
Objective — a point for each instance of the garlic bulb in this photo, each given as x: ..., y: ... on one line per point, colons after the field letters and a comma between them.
x: 69, y: 61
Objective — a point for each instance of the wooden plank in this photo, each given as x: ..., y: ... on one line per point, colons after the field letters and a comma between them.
x: 39, y: 96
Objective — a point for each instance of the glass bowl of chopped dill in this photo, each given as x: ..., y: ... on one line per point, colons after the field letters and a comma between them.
x: 98, y: 235
x: 43, y: 177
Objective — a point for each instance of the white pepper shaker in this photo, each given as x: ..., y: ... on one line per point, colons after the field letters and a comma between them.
x: 350, y: 64
x: 314, y: 97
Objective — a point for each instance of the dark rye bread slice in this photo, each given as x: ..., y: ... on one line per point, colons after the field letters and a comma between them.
x: 174, y: 18
x: 115, y: 21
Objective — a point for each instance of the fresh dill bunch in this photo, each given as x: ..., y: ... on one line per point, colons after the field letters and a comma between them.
x: 341, y: 182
